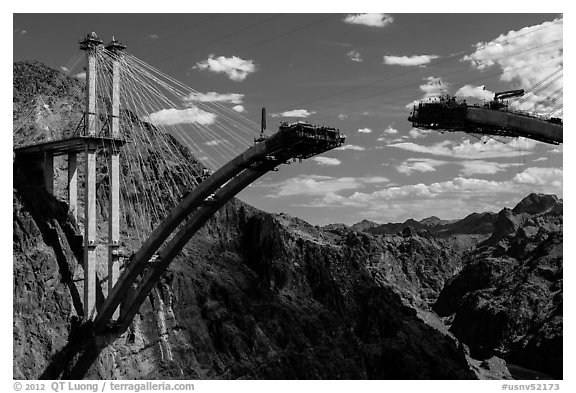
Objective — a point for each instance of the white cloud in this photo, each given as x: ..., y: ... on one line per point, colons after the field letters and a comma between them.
x: 473, y: 167
x: 80, y: 76
x: 313, y: 185
x: 373, y: 20
x: 238, y: 108
x: 468, y: 167
x: 539, y: 176
x: 433, y: 89
x: 450, y: 199
x: 547, y: 180
x: 409, y: 61
x: 168, y: 117
x: 390, y: 131
x: 540, y: 159
x: 467, y: 150
x: 65, y: 69
x: 236, y: 68
x: 364, y: 130
x: 294, y: 113
x: 416, y: 133
x: 324, y: 188
x: 350, y: 147
x: 373, y: 179
x: 342, y: 116
x: 478, y: 92
x: 328, y: 161
x: 212, y: 96
x: 355, y: 56
x: 419, y: 165
x: 151, y: 37
x: 526, y: 56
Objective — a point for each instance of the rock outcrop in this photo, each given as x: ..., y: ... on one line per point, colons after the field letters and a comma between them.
x: 507, y: 300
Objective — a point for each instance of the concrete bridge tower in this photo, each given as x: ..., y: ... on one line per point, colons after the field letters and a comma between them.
x: 115, y: 49
x: 91, y: 45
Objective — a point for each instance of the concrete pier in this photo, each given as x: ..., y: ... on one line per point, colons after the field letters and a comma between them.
x: 48, y: 171
x: 114, y: 173
x: 73, y: 185
x: 90, y: 45
x: 90, y: 234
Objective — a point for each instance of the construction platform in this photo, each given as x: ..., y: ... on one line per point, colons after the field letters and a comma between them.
x: 447, y: 114
x: 70, y: 145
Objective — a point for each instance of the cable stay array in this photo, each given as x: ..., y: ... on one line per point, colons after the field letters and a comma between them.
x: 176, y: 137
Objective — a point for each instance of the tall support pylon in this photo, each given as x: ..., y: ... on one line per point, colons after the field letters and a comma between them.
x: 114, y: 172
x: 91, y: 44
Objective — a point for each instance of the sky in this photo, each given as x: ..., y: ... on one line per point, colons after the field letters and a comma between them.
x: 360, y: 73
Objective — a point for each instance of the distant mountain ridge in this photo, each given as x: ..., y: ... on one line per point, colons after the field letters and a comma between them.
x: 475, y: 223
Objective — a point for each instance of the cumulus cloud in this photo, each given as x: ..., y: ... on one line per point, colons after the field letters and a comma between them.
x: 467, y: 149
x: 373, y: 20
x: 539, y: 176
x: 355, y: 56
x: 390, y: 131
x: 324, y: 189
x: 328, y: 161
x: 409, y: 61
x: 342, y: 116
x: 450, y: 199
x: 480, y: 167
x: 387, y: 132
x: 294, y: 113
x: 467, y: 167
x: 80, y: 76
x: 433, y: 89
x: 350, y: 147
x: 238, y: 108
x: 526, y: 56
x: 531, y: 179
x: 364, y: 130
x: 419, y: 165
x: 314, y: 185
x: 234, y: 67
x: 192, y: 115
x: 478, y: 92
x: 416, y: 133
x: 212, y: 96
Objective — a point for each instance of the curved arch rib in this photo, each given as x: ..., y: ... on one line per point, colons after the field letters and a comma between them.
x: 175, y: 245
x: 299, y: 142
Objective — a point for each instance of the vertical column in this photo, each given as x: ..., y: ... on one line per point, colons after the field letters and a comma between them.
x: 113, y: 222
x: 90, y: 119
x: 90, y: 44
x: 90, y: 234
x: 114, y: 173
x: 73, y: 185
x: 49, y: 172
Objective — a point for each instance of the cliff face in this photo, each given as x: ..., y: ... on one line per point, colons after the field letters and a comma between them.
x: 508, y: 298
x: 250, y: 297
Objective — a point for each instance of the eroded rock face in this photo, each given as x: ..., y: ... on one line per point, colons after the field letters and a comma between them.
x: 508, y: 298
x: 250, y: 297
